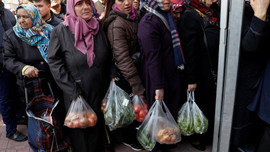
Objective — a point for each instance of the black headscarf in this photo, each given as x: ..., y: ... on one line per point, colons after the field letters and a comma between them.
x: 2, y: 7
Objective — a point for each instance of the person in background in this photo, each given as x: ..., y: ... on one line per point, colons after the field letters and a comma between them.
x: 8, y: 100
x: 177, y: 8
x: 162, y: 58
x: 254, y: 53
x: 80, y: 59
x: 121, y: 23
x: 100, y: 6
x: 199, y: 34
x: 44, y: 8
x: 58, y: 8
x: 136, y: 5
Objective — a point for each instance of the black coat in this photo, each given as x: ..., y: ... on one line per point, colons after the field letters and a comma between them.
x: 17, y: 54
x: 73, y: 75
x: 54, y: 20
x: 253, y: 55
x: 201, y: 56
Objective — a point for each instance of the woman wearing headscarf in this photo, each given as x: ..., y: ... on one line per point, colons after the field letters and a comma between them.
x: 161, y: 55
x: 79, y: 59
x: 121, y: 23
x: 26, y: 48
x: 177, y: 8
x: 199, y: 28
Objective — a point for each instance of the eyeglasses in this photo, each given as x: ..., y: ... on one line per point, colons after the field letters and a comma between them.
x: 23, y: 16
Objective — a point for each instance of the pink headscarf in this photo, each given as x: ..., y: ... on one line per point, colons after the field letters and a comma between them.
x: 79, y: 27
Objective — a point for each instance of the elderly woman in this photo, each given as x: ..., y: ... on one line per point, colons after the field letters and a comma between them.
x: 26, y: 49
x: 80, y: 62
x: 121, y: 22
x: 199, y: 33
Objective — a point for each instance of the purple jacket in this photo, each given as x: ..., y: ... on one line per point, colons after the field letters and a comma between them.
x: 158, y: 65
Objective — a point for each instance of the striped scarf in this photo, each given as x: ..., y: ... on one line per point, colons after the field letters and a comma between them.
x: 156, y: 7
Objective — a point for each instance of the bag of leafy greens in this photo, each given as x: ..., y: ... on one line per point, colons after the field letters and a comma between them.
x: 118, y: 110
x: 185, y: 117
x: 199, y: 120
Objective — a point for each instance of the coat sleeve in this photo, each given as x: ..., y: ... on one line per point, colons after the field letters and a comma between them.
x: 57, y: 66
x: 254, y: 34
x: 117, y: 37
x: 149, y: 35
x: 11, y: 61
x: 190, y: 33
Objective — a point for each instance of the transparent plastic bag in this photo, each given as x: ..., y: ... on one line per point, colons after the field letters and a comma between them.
x: 185, y: 117
x: 199, y: 120
x: 140, y: 107
x: 158, y: 126
x: 80, y: 114
x: 118, y: 110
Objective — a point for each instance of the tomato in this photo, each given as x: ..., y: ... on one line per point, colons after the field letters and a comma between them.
x: 142, y: 114
x: 76, y: 124
x: 145, y: 106
x: 140, y: 119
x: 93, y: 116
x: 83, y: 122
x: 91, y: 122
x: 136, y: 109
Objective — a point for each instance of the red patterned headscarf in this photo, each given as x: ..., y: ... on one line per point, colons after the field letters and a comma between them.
x: 175, y: 4
x: 208, y: 13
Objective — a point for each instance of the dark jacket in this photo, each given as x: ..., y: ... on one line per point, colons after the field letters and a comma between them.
x: 54, y: 21
x: 158, y: 66
x: 253, y: 56
x: 200, y: 43
x: 122, y: 34
x: 9, y: 21
x: 73, y: 75
x: 17, y: 54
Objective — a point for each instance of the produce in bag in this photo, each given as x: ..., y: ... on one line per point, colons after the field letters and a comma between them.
x: 80, y: 115
x: 139, y: 107
x: 199, y: 120
x: 118, y: 112
x: 159, y: 126
x: 185, y: 117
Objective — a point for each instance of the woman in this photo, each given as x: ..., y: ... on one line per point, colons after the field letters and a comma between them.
x: 26, y: 49
x: 254, y: 54
x: 177, y: 8
x: 121, y: 22
x: 80, y: 61
x: 199, y: 28
x: 161, y: 55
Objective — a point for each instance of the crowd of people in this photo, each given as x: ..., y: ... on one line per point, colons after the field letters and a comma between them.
x: 159, y: 49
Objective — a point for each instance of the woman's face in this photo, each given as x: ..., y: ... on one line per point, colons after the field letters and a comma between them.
x: 24, y: 19
x: 125, y: 6
x: 83, y: 9
x: 177, y: 13
x: 166, y: 4
x: 208, y: 3
x: 136, y: 4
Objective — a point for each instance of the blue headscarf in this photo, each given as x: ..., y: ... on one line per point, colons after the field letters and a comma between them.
x: 156, y: 7
x: 38, y: 34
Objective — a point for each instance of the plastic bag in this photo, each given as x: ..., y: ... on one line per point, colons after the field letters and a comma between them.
x: 80, y: 115
x: 199, y: 120
x: 185, y: 117
x: 118, y: 110
x: 158, y: 126
x: 139, y: 107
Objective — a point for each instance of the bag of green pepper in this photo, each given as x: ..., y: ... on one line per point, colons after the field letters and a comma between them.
x: 118, y: 110
x: 158, y: 126
x: 185, y: 117
x: 199, y: 120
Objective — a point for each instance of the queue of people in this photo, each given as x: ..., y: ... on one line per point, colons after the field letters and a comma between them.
x: 159, y: 50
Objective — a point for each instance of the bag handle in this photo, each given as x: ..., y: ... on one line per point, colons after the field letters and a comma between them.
x: 190, y: 96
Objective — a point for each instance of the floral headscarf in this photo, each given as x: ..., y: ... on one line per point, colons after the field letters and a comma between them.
x: 38, y: 35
